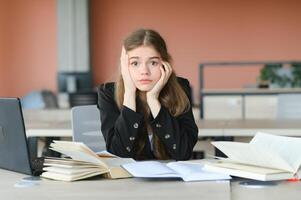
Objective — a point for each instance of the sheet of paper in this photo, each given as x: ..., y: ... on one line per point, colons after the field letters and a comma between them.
x: 195, y: 172
x: 186, y: 171
x: 150, y: 169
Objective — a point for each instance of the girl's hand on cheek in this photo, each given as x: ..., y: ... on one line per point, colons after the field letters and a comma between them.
x: 129, y: 86
x: 166, y: 71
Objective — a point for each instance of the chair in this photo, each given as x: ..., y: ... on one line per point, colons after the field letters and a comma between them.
x: 289, y: 106
x: 82, y: 98
x: 86, y: 127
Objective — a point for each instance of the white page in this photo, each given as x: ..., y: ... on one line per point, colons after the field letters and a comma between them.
x: 73, y: 171
x: 248, y: 154
x: 117, y: 162
x: 289, y: 148
x: 66, y: 166
x: 195, y: 172
x: 150, y: 169
x: 77, y: 151
x: 78, y: 155
x: 64, y: 177
x: 105, y: 153
x: 74, y: 146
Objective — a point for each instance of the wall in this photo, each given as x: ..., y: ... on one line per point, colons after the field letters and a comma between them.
x: 2, y: 49
x: 28, y: 46
x: 197, y: 31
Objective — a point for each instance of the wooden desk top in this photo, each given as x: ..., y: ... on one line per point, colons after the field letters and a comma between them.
x: 240, y: 91
x: 239, y: 128
x: 58, y: 123
x: 143, y: 189
x: 283, y: 190
x: 48, y: 123
x: 249, y: 127
x: 99, y: 189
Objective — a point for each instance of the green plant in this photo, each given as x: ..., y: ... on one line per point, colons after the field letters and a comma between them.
x: 296, y: 71
x: 269, y: 73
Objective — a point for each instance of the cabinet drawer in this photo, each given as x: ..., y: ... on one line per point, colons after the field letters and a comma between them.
x: 223, y: 107
x: 261, y: 106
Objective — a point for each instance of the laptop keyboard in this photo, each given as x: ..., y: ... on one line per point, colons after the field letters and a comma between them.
x: 37, y: 165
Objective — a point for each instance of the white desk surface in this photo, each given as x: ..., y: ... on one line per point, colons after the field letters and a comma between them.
x: 58, y: 123
x: 283, y: 190
x: 247, y: 128
x: 143, y: 189
x: 48, y: 129
x: 242, y: 128
x: 104, y: 189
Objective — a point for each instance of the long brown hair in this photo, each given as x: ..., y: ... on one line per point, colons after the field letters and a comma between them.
x: 172, y: 96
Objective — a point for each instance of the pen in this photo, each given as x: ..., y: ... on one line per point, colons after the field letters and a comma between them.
x: 293, y: 179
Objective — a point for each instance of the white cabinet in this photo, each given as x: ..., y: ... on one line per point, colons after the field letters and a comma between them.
x: 261, y: 106
x: 249, y: 103
x: 223, y: 107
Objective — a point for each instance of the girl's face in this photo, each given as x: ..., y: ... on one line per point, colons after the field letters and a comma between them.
x: 144, y: 67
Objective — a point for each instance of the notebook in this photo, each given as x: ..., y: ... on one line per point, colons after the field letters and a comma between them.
x: 14, y: 151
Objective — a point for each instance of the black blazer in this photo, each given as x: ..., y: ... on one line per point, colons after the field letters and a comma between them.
x: 120, y: 128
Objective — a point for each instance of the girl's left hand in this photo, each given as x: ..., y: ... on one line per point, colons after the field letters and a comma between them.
x: 166, y: 71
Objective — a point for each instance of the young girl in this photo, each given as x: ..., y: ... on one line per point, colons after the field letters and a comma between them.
x: 147, y: 113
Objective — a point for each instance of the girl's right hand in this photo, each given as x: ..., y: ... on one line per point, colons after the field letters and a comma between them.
x: 129, y: 85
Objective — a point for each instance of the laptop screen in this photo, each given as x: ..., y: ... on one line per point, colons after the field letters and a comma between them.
x: 14, y: 152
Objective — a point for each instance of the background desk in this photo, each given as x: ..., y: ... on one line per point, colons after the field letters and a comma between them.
x: 133, y: 189
x: 241, y: 128
x: 247, y: 128
x: 57, y: 123
x: 48, y: 123
x: 48, y: 129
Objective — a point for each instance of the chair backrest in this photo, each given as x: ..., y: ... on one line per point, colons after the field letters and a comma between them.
x: 82, y: 98
x: 86, y: 127
x: 289, y: 106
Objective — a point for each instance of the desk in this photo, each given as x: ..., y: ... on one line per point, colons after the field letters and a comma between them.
x: 57, y: 123
x: 241, y: 128
x: 143, y: 189
x: 48, y: 123
x: 48, y: 129
x: 121, y: 189
x: 284, y: 190
x: 250, y: 127
x: 247, y: 128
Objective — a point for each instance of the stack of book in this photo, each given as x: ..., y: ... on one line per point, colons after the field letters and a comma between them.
x: 83, y: 163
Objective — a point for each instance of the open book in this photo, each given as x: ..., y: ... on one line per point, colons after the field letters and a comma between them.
x: 84, y: 163
x: 183, y: 170
x: 266, y: 157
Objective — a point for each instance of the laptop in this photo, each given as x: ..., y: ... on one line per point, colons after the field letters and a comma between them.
x: 14, y: 151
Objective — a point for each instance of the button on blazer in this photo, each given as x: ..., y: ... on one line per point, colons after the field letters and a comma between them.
x: 121, y: 127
